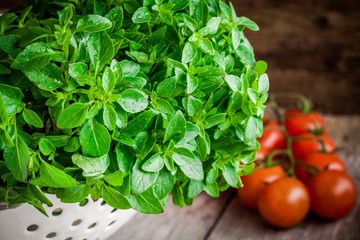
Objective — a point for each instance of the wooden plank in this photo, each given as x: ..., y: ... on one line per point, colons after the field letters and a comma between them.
x: 190, y: 223
x: 239, y: 222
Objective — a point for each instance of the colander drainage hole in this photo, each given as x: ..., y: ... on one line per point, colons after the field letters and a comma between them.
x: 51, y: 235
x: 69, y: 238
x: 111, y: 223
x: 32, y: 228
x: 92, y: 225
x: 57, y: 212
x: 83, y: 202
x: 76, y: 222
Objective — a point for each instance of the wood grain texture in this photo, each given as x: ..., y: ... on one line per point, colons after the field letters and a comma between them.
x: 226, y: 218
x: 312, y: 47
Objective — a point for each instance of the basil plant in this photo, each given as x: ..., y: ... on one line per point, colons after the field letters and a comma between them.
x: 130, y: 101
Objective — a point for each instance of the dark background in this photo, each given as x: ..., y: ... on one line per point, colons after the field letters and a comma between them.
x: 312, y: 47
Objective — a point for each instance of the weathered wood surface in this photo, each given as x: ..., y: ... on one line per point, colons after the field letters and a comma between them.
x: 226, y: 218
x: 311, y: 47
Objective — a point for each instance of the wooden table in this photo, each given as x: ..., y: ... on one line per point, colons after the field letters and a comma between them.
x: 226, y: 218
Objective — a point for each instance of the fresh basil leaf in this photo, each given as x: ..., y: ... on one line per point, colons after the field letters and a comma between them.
x: 214, y: 120
x: 47, y: 78
x: 72, y: 145
x: 32, y: 118
x: 177, y: 194
x: 230, y: 176
x: 93, y: 23
x: 234, y: 82
x: 129, y: 68
x: 213, y: 190
x: 147, y: 202
x: 72, y: 116
x: 133, y: 100
x: 248, y: 23
x: 91, y: 166
x: 167, y: 87
x: 46, y: 147
x: 190, y: 54
x: 194, y: 106
x: 141, y: 15
x: 250, y: 130
x: 163, y: 184
x: 101, y: 50
x: 261, y: 67
x: 253, y: 95
x: 263, y: 87
x: 115, y: 179
x: 125, y: 158
x: 94, y: 139
x: 139, y: 123
x: 144, y: 142
x: 189, y: 164
x: 141, y: 180
x: 17, y: 159
x: 73, y: 194
x: 12, y: 98
x: 213, y: 24
x: 77, y: 69
x: 176, y: 128
x: 4, y: 117
x: 51, y: 176
x: 114, y: 198
x: 109, y: 116
x: 34, y: 56
x: 153, y: 164
x: 207, y: 46
x: 108, y: 80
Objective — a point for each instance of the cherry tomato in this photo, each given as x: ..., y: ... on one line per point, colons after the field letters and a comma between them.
x: 284, y: 203
x: 306, y: 143
x: 324, y: 161
x: 332, y: 194
x: 297, y: 123
x: 257, y: 181
x: 272, y: 137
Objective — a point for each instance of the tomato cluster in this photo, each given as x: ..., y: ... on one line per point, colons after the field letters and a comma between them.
x: 298, y: 171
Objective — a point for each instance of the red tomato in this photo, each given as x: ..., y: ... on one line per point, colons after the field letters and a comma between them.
x: 297, y: 123
x: 261, y: 153
x: 272, y: 137
x: 324, y: 161
x: 257, y: 181
x: 332, y: 194
x: 284, y: 203
x: 306, y: 143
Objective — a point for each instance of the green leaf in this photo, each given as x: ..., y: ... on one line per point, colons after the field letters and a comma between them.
x: 153, y: 164
x: 144, y: 142
x: 234, y: 82
x: 191, y: 84
x: 248, y: 23
x: 130, y: 69
x: 147, y: 202
x: 235, y: 37
x: 17, y: 159
x: 12, y: 98
x: 164, y: 183
x: 167, y: 87
x: 193, y: 106
x: 108, y: 80
x: 114, y: 198
x: 253, y: 95
x: 261, y: 67
x: 4, y: 117
x: 263, y: 86
x: 139, y: 123
x: 179, y: 4
x: 141, y: 15
x: 77, y: 69
x: 195, y: 188
x: 91, y: 166
x: 46, y: 147
x: 190, y: 54
x: 115, y: 179
x: 214, y: 120
x: 93, y: 23
x: 109, y: 116
x: 34, y: 56
x: 250, y: 130
x: 213, y: 24
x: 73, y: 116
x: 133, y: 100
x: 141, y: 180
x: 73, y: 194
x: 72, y: 145
x: 51, y: 176
x: 32, y: 118
x: 230, y: 176
x: 207, y: 46
x: 189, y: 164
x: 101, y: 50
x: 124, y: 158
x: 94, y: 139
x: 47, y: 78
x: 176, y: 128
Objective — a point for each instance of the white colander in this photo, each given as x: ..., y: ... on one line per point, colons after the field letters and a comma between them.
x: 93, y: 221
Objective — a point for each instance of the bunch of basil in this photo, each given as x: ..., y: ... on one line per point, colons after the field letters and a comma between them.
x: 127, y: 100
